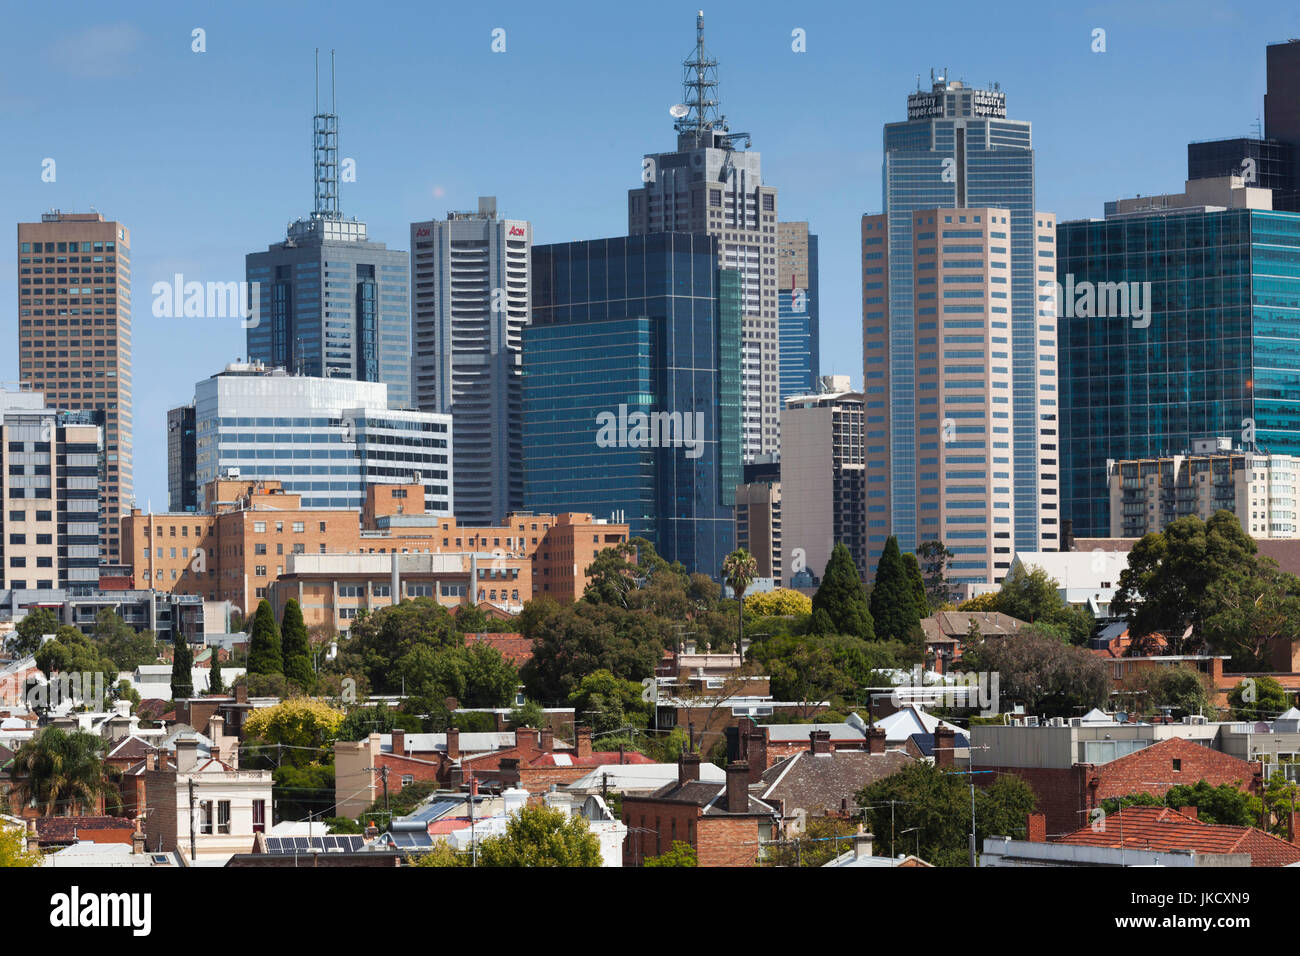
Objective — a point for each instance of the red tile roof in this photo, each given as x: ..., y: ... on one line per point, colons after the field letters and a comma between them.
x: 598, y: 758
x: 1165, y: 830
x: 515, y: 648
x: 67, y: 829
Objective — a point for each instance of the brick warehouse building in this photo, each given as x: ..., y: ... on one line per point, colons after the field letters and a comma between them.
x: 1066, y: 795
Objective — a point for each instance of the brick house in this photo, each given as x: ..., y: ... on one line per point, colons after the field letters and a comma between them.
x: 1165, y: 829
x: 535, y: 763
x: 725, y: 823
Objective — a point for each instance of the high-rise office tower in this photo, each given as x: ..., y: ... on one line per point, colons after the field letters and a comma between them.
x: 327, y: 300
x: 322, y: 438
x: 470, y: 281
x: 50, y: 466
x: 709, y: 185
x: 182, y: 493
x: 964, y: 366
x: 797, y: 308
x: 1178, y: 325
x: 956, y: 150
x: 632, y: 390
x: 823, y: 486
x: 74, y: 338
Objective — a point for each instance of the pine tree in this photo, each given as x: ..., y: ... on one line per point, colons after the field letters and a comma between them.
x: 182, y: 673
x: 215, y: 683
x: 297, y: 647
x: 264, y: 655
x: 913, y: 568
x: 840, y: 604
x: 893, y: 599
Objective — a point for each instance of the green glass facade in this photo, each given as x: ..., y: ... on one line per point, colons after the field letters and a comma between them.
x: 626, y: 327
x: 1220, y: 356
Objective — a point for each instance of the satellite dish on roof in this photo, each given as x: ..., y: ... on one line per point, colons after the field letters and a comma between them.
x: 678, y: 111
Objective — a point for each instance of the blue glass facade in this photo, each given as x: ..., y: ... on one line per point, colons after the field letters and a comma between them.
x: 640, y: 325
x: 798, y: 328
x: 958, y: 152
x: 1220, y: 357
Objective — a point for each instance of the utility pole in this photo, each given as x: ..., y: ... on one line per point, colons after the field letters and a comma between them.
x: 383, y: 773
x: 193, y: 852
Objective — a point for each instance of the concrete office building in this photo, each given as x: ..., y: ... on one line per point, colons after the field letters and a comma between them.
x: 956, y: 150
x: 1147, y: 494
x: 74, y: 338
x: 758, y: 525
x: 710, y: 186
x: 798, y: 297
x: 965, y: 416
x: 325, y: 438
x: 470, y: 282
x: 1195, y: 338
x: 329, y: 302
x: 182, y: 485
x: 632, y: 390
x: 50, y: 495
x: 823, y: 486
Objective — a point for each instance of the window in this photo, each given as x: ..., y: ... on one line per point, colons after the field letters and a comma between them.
x: 205, y: 816
x: 259, y: 816
x: 259, y: 547
x: 279, y: 527
x: 407, y: 779
x: 299, y: 526
x: 223, y: 816
x: 1178, y: 764
x: 259, y: 527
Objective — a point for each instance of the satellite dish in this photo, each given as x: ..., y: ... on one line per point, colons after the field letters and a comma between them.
x: 678, y: 111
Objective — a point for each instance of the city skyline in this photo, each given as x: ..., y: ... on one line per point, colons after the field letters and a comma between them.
x: 200, y: 148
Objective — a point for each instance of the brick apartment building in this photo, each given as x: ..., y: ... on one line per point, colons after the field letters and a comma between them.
x: 249, y: 532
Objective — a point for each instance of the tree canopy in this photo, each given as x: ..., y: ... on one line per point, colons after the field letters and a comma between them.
x: 894, y: 599
x: 1049, y: 677
x: 264, y: 651
x: 840, y: 604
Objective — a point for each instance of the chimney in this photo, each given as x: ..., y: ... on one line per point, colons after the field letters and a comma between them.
x: 688, y: 768
x: 509, y: 771
x: 1292, y: 836
x: 372, y: 831
x: 738, y: 787
x: 241, y: 693
x: 943, y: 746
x: 1188, y: 812
x: 33, y: 838
x: 821, y: 741
x: 526, y: 738
x: 863, y: 845
x: 137, y: 838
x: 399, y: 743
x: 141, y: 798
x: 187, y: 753
x: 546, y: 737
x: 216, y: 727
x: 755, y: 749
x: 1036, y: 828
x: 622, y: 757
x: 582, y: 737
x: 875, y: 740
x: 453, y: 743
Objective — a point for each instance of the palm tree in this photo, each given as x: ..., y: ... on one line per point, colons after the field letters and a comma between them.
x: 739, y: 570
x: 56, y: 770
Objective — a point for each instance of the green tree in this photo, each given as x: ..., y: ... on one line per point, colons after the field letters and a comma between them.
x: 840, y: 604
x: 216, y: 683
x: 815, y: 667
x: 38, y: 622
x: 528, y: 714
x: 586, y: 637
x: 913, y: 568
x: 609, y: 703
x: 679, y: 854
x: 1034, y: 596
x: 893, y: 599
x: 470, y: 619
x: 296, y: 647
x: 1258, y: 698
x: 264, y: 654
x: 822, y: 840
x: 182, y: 670
x: 73, y: 653
x: 298, y: 731
x: 1225, y: 804
x: 739, y: 570
x: 442, y: 854
x: 302, y: 792
x: 937, y: 805
x: 934, y: 558
x: 542, y: 836
x: 119, y: 641
x: 13, y: 849
x: 361, y: 722
x: 1182, y: 689
x: 56, y: 771
x: 1049, y: 677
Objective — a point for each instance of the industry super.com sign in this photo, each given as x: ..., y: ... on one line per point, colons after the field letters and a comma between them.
x: 924, y: 105
x: 984, y: 103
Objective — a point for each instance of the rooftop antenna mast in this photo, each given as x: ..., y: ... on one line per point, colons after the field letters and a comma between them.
x: 700, y: 84
x: 325, y: 151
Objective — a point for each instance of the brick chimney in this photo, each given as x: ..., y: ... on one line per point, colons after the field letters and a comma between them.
x: 755, y: 749
x: 241, y: 693
x: 820, y: 741
x: 141, y: 797
x: 875, y: 740
x: 943, y: 746
x: 1036, y: 828
x: 688, y: 768
x: 453, y: 743
x: 738, y: 787
x: 1291, y: 821
x: 1189, y: 812
x: 582, y: 737
x: 399, y: 743
x: 546, y: 740
x: 509, y: 771
x: 137, y: 837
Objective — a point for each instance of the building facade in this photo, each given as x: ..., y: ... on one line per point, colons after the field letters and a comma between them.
x: 1147, y: 494
x: 956, y: 150
x: 709, y: 186
x: 470, y: 281
x: 74, y: 337
x: 823, y: 479
x: 758, y: 525
x: 798, y: 296
x: 182, y: 482
x: 324, y: 438
x: 963, y: 362
x: 632, y: 390
x: 51, y: 465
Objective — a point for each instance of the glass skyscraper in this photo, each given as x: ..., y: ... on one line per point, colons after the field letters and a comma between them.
x: 1219, y: 357
x: 632, y: 390
x: 797, y: 309
x: 956, y: 150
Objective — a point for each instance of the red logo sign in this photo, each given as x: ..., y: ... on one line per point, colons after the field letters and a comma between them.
x: 421, y: 232
x: 516, y: 230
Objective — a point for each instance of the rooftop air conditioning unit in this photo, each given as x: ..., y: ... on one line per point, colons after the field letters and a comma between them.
x: 1031, y: 721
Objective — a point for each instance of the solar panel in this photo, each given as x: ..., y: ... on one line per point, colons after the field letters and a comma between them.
x: 347, y: 842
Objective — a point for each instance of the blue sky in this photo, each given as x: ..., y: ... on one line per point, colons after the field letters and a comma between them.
x: 206, y: 156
